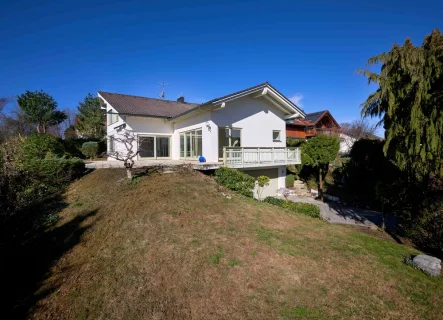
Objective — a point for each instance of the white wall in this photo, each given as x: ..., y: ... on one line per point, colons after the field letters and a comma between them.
x: 256, y: 117
x: 346, y: 143
x: 144, y: 125
x: 209, y: 135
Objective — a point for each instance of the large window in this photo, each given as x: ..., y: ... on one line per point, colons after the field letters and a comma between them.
x: 191, y: 144
x: 154, y: 146
x: 228, y: 137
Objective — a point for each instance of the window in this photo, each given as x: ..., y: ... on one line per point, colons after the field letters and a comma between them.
x: 276, y: 135
x: 191, y: 144
x: 112, y: 117
x: 154, y: 146
x: 111, y: 144
x: 228, y: 137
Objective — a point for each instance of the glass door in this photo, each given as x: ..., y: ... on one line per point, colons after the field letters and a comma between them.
x: 154, y: 147
x: 146, y: 147
x: 191, y: 144
x: 162, y: 147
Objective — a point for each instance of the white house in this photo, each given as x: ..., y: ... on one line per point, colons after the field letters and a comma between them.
x: 244, y: 130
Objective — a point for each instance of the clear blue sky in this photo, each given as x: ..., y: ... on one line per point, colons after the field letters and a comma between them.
x: 204, y: 49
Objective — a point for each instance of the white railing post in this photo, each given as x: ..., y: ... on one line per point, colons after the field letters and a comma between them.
x: 224, y: 156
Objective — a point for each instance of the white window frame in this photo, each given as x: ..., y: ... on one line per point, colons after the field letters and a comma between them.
x: 155, y: 136
x: 278, y: 139
x: 110, y: 117
x: 220, y: 157
x: 185, y: 145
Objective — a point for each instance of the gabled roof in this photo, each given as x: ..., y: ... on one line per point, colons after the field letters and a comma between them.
x: 262, y: 89
x: 148, y: 107
x: 141, y: 106
x: 312, y: 119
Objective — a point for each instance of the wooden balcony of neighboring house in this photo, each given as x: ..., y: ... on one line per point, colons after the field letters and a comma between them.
x: 312, y: 132
x: 250, y: 157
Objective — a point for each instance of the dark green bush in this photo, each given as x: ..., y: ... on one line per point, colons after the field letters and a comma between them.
x: 236, y: 180
x: 307, y: 209
x: 290, y: 180
x: 73, y: 146
x: 37, y: 145
x: 90, y: 149
x: 274, y: 201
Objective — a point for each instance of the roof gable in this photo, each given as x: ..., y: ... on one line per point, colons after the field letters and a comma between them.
x: 312, y: 119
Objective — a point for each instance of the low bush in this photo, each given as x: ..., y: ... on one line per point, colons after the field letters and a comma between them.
x: 307, y: 209
x: 290, y: 178
x: 73, y: 146
x: 236, y: 180
x: 274, y: 201
x: 90, y: 149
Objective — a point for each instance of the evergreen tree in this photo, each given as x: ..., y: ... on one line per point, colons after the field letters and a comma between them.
x: 318, y: 152
x: 40, y: 109
x: 410, y: 101
x: 90, y: 122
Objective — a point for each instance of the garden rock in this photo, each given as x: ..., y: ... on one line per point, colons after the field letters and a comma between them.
x: 429, y: 265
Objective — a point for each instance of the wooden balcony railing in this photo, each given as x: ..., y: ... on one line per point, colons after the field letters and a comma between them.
x: 244, y: 157
x: 310, y: 132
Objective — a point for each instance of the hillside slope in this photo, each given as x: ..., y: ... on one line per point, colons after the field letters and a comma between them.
x: 172, y: 246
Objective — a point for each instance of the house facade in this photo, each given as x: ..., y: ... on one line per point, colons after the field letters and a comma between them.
x: 244, y: 130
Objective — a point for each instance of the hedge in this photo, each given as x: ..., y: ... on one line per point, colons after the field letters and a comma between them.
x: 307, y: 209
x: 236, y: 180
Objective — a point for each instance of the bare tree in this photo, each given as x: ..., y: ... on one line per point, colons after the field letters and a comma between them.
x: 124, y: 143
x: 359, y: 129
x: 69, y: 122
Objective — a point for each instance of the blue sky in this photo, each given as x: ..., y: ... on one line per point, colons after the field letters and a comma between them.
x: 204, y: 49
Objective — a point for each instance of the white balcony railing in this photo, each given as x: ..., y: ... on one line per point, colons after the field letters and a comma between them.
x: 244, y: 157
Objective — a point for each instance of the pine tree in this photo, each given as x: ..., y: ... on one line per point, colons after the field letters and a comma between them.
x: 40, y: 109
x: 318, y: 152
x: 410, y: 102
x: 90, y: 121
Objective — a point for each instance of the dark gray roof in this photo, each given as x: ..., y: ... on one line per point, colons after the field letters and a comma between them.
x: 135, y: 105
x: 313, y: 117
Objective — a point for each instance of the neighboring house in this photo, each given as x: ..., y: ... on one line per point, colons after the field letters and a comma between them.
x: 244, y: 130
x: 312, y: 125
x: 321, y: 122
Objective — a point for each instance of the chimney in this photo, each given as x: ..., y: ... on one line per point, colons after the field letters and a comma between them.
x: 181, y: 99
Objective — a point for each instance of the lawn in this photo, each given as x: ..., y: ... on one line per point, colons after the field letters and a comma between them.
x: 172, y: 246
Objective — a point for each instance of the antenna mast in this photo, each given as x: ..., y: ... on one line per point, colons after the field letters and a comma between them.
x: 162, y: 93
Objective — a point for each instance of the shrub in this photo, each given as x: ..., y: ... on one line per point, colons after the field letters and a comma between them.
x: 236, y: 180
x: 290, y: 180
x: 262, y: 182
x: 37, y: 145
x: 307, y: 209
x: 90, y: 149
x: 274, y: 201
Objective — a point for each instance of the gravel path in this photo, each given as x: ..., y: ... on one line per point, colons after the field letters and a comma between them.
x: 337, y: 213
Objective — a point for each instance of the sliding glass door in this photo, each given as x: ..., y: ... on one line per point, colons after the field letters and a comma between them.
x: 228, y: 137
x: 154, y: 147
x: 191, y: 144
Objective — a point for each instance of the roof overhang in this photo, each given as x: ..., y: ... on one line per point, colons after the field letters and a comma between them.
x: 264, y: 91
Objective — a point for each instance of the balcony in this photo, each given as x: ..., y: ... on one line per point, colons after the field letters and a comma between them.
x: 249, y: 157
x: 312, y: 132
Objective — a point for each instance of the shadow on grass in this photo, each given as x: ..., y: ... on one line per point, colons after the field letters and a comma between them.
x: 29, y: 247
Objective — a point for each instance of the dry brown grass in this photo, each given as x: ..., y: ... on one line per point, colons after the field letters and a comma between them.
x: 172, y: 247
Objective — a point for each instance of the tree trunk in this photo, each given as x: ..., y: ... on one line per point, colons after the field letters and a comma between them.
x: 38, y: 128
x: 129, y: 173
x: 128, y: 167
x: 320, y: 184
x: 383, y: 223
